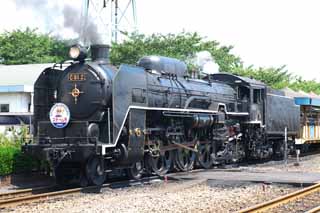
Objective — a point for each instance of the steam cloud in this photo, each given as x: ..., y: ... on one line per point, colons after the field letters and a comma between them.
x: 53, y: 14
x: 206, y: 63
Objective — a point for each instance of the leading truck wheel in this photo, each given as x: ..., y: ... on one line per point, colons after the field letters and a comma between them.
x: 135, y: 172
x: 95, y: 171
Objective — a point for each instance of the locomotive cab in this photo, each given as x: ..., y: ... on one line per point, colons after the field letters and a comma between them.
x: 250, y: 94
x: 257, y: 104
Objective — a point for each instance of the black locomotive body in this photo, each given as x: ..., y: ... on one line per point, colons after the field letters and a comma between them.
x: 152, y: 117
x: 270, y: 113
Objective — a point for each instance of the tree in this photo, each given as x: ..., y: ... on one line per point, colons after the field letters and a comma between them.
x: 183, y: 46
x: 27, y: 46
x: 306, y: 86
x: 277, y: 78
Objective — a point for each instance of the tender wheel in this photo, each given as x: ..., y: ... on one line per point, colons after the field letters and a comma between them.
x: 184, y: 159
x: 161, y: 164
x: 204, y: 155
x: 95, y: 171
x: 135, y: 172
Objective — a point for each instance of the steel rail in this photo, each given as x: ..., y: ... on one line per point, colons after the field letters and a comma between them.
x: 24, y: 199
x: 282, y: 200
x: 7, y: 195
x: 27, y: 195
x: 316, y: 209
x: 44, y: 196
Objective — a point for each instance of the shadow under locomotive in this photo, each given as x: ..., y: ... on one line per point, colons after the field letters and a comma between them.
x: 91, y: 118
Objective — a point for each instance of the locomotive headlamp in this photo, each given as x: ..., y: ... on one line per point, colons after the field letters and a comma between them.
x: 77, y: 52
x: 74, y: 52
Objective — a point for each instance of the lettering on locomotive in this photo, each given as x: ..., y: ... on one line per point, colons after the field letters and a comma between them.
x: 77, y: 77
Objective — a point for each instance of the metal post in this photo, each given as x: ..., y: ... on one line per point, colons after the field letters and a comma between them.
x: 134, y: 12
x: 30, y: 125
x: 84, y: 20
x: 285, y: 146
x: 116, y: 22
x: 298, y: 157
x: 32, y: 112
x: 109, y: 132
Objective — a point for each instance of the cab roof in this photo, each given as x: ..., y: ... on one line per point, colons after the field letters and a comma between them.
x: 234, y: 79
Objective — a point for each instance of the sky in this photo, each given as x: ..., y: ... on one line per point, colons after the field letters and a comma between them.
x: 264, y: 33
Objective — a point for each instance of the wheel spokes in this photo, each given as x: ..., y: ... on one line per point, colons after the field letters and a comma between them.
x: 204, y: 155
x: 184, y: 159
x: 161, y: 164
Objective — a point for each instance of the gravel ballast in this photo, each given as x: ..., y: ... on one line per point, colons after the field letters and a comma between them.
x: 182, y: 196
x: 164, y: 197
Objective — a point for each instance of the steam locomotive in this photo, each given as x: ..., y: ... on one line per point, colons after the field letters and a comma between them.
x: 91, y: 118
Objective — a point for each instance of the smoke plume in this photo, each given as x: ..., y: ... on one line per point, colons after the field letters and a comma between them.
x: 206, y: 63
x: 61, y: 17
x: 88, y: 31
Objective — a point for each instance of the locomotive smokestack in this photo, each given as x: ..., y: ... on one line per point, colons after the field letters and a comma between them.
x: 100, y: 52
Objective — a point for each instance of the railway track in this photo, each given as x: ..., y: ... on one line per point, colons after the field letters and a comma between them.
x: 31, y: 195
x: 25, y: 192
x: 43, y: 193
x: 304, y: 200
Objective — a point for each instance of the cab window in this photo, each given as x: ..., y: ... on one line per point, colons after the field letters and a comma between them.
x: 256, y: 96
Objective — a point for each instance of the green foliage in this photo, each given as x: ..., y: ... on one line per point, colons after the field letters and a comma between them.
x: 275, y: 77
x: 182, y: 46
x: 306, y: 86
x: 27, y: 46
x: 12, y: 160
x: 7, y: 156
x: 278, y: 78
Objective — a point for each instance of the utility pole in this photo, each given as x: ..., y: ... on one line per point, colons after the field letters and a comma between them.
x: 115, y: 19
x: 286, y: 146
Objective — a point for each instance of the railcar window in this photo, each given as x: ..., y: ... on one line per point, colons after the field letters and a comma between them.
x: 4, y: 107
x: 238, y: 93
x: 256, y: 96
x: 243, y: 93
x: 262, y: 94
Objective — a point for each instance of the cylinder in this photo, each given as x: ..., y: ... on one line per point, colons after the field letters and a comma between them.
x: 202, y: 121
x: 100, y: 52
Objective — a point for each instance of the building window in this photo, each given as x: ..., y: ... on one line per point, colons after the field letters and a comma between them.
x: 4, y: 107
